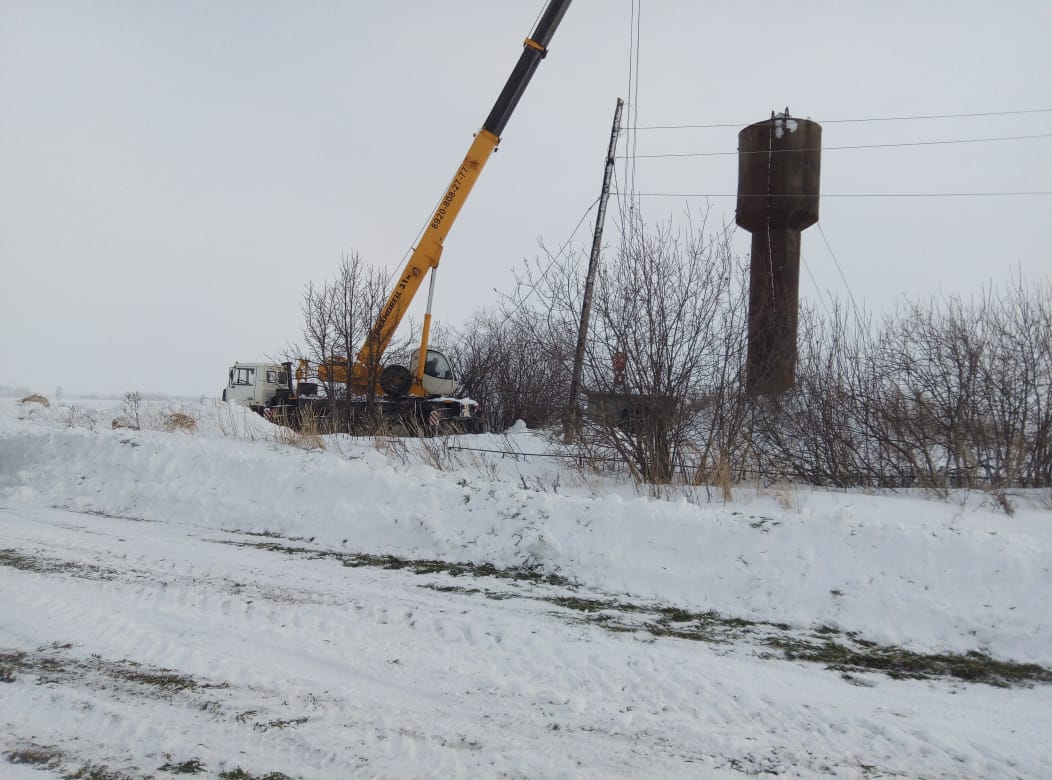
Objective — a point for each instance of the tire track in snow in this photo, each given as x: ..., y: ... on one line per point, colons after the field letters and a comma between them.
x: 143, y: 614
x: 385, y: 671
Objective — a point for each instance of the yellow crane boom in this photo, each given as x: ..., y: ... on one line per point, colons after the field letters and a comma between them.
x: 428, y: 251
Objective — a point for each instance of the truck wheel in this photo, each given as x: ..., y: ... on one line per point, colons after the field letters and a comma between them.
x: 396, y: 381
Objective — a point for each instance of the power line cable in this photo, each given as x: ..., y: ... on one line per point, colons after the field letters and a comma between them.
x: 555, y: 257
x: 628, y: 204
x: 850, y: 295
x: 631, y: 95
x: 635, y: 103
x: 845, y: 194
x: 540, y: 11
x: 814, y: 282
x: 853, y: 146
x: 622, y: 221
x: 861, y: 119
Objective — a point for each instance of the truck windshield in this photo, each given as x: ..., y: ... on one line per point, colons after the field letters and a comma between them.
x: 437, y: 365
x: 243, y: 376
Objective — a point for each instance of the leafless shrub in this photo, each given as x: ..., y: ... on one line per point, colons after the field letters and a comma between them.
x: 513, y: 367
x: 942, y: 394
x: 813, y: 432
x: 132, y: 412
x: 674, y: 304
x: 968, y: 387
x: 78, y: 417
x: 671, y: 303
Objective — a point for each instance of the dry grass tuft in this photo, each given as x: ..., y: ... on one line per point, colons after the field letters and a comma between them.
x: 788, y: 496
x: 724, y: 479
x: 305, y: 435
x: 177, y: 421
x: 435, y: 453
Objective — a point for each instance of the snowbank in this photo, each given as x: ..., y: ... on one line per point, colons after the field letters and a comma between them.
x: 926, y: 574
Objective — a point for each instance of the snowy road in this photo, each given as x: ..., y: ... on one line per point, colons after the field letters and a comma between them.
x: 144, y: 647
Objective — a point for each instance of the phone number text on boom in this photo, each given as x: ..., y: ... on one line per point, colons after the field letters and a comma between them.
x: 450, y: 196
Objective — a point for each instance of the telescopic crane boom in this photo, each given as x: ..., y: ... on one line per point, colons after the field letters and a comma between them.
x: 421, y: 398
x: 428, y: 252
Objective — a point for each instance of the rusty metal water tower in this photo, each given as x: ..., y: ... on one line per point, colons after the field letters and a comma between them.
x: 778, y: 175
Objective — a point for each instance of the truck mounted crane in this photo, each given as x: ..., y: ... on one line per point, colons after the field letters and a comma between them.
x: 423, y: 393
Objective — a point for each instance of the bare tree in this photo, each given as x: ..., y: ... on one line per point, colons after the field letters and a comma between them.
x: 816, y: 431
x: 511, y: 373
x: 1016, y: 378
x: 939, y: 393
x: 376, y: 343
x: 945, y: 393
x: 319, y: 330
x: 345, y: 295
x: 669, y: 304
x: 339, y: 320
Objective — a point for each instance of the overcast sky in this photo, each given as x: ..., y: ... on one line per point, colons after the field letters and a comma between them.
x: 172, y: 174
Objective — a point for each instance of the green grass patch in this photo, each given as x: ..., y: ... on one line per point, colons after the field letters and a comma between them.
x: 51, y: 759
x: 97, y: 772
x: 837, y: 650
x: 39, y: 564
x: 39, y: 756
x: 279, y: 724
x: 192, y: 766
x: 416, y: 566
x: 856, y: 655
x: 164, y: 679
x: 51, y: 666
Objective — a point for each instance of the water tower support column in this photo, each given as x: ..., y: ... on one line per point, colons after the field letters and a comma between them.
x: 778, y: 175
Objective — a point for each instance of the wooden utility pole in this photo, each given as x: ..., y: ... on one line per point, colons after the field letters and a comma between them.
x: 572, y: 417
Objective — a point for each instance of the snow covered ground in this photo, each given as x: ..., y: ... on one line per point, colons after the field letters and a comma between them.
x: 221, y: 601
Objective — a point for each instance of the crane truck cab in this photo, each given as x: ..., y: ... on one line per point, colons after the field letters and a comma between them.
x: 255, y: 384
x: 438, y: 377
